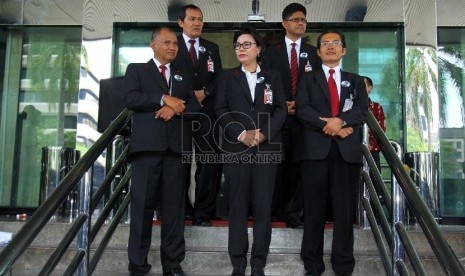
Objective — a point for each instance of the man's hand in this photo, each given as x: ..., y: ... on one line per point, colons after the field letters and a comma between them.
x: 165, y: 113
x: 200, y: 95
x: 333, y: 125
x: 175, y: 103
x: 252, y: 138
x: 290, y: 107
x: 344, y: 132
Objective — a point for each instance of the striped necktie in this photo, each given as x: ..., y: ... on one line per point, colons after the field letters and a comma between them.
x: 294, y: 69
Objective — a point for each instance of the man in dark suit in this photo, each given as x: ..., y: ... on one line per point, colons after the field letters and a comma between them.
x: 287, y: 197
x: 159, y: 94
x: 202, y: 59
x: 331, y: 105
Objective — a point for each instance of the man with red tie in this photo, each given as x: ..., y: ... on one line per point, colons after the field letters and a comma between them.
x: 161, y: 95
x: 291, y: 55
x: 331, y: 105
x: 201, y: 58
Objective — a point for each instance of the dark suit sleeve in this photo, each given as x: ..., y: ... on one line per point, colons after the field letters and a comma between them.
x: 222, y: 107
x: 134, y: 96
x: 192, y: 104
x: 356, y: 115
x: 306, y: 114
x: 278, y: 117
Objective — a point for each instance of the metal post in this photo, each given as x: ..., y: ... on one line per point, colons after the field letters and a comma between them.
x: 398, y: 214
x: 363, y: 191
x: 117, y: 147
x: 83, y: 235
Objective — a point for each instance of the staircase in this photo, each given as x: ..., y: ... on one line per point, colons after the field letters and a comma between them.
x: 206, y: 251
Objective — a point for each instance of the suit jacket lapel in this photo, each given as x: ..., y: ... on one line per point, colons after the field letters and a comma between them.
x: 203, y: 56
x: 323, y: 83
x: 282, y: 50
x: 155, y: 73
x: 260, y: 87
x: 345, y: 90
x: 184, y: 50
x: 242, y: 80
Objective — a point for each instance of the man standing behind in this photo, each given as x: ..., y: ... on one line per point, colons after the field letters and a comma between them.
x: 291, y: 56
x: 331, y: 104
x: 378, y: 112
x: 158, y: 93
x: 202, y: 59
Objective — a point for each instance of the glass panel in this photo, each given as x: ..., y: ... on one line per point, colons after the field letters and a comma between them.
x: 47, y: 106
x: 373, y: 51
x: 451, y: 59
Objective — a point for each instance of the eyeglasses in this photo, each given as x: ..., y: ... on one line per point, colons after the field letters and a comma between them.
x: 245, y: 45
x: 297, y: 20
x: 334, y: 43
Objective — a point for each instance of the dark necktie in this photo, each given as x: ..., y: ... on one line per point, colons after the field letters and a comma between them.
x: 192, y: 52
x: 163, y: 72
x: 333, y: 95
x: 294, y: 69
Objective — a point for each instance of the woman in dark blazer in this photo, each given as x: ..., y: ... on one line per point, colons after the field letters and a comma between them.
x: 251, y: 110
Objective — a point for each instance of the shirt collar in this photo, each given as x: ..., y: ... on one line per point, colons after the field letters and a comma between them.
x: 250, y: 73
x: 337, y: 69
x: 288, y: 42
x: 157, y: 63
x: 186, y: 40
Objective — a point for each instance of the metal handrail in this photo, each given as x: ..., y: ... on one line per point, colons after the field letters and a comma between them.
x: 446, y: 257
x: 46, y: 210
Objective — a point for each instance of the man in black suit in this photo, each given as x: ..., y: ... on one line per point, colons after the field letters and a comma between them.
x: 202, y: 58
x: 287, y: 197
x: 160, y: 94
x: 331, y: 105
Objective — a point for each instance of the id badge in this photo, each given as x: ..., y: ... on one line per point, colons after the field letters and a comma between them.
x: 268, y: 95
x: 308, y: 67
x: 348, y: 103
x: 210, y: 65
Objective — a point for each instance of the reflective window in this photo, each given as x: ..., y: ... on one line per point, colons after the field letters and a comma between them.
x: 451, y: 63
x: 47, y: 86
x: 373, y: 51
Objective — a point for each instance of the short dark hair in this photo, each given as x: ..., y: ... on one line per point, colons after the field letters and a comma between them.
x: 250, y: 31
x: 331, y: 31
x: 184, y: 8
x: 292, y: 8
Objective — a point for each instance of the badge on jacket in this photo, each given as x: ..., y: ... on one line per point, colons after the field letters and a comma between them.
x: 268, y: 94
x: 210, y: 65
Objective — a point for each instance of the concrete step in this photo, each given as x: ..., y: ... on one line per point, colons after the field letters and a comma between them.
x: 206, y: 251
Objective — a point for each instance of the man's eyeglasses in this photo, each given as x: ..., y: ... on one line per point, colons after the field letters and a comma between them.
x: 297, y: 20
x: 326, y: 44
x: 245, y: 45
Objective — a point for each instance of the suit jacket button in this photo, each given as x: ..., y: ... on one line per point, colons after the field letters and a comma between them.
x: 195, y: 74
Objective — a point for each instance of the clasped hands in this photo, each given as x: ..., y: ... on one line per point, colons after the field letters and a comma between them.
x: 334, y: 127
x: 252, y: 138
x: 171, y: 107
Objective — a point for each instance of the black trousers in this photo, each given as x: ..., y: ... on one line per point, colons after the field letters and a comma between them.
x: 287, y: 197
x: 338, y: 179
x: 154, y: 172
x: 209, y: 171
x: 249, y: 184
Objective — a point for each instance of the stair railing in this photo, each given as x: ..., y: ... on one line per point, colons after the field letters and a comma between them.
x: 396, y: 236
x: 82, y: 227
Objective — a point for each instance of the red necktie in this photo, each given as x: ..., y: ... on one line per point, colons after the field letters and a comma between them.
x: 163, y: 72
x: 192, y: 52
x: 333, y: 95
x: 294, y: 69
